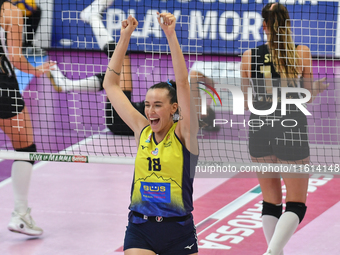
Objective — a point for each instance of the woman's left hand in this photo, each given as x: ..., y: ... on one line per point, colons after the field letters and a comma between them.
x: 128, y: 26
x: 167, y: 21
x: 319, y: 86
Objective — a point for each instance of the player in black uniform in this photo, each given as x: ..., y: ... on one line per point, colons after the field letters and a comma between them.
x: 14, y: 118
x: 92, y: 15
x: 277, y: 138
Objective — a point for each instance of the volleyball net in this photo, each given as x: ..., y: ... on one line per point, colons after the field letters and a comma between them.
x: 70, y: 114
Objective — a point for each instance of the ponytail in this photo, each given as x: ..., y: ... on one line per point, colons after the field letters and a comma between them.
x: 281, y: 45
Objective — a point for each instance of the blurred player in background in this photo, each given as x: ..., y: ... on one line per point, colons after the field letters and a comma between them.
x: 93, y: 16
x: 211, y: 73
x: 277, y: 64
x: 32, y: 17
x: 14, y: 118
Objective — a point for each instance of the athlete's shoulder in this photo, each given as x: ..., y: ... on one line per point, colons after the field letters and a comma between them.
x: 146, y: 132
x: 260, y: 50
x: 262, y: 46
x: 303, y: 49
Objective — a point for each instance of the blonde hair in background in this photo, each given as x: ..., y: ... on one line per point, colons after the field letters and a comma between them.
x: 282, y: 47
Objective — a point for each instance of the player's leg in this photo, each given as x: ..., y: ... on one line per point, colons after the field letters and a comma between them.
x: 19, y: 130
x: 270, y: 184
x: 95, y: 8
x: 94, y: 83
x: 92, y: 16
x: 135, y: 251
x: 163, y: 238
x: 291, y: 147
x: 62, y: 84
x: 90, y: 84
x: 296, y: 196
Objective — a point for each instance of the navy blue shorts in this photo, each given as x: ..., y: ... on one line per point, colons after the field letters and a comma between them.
x: 164, y: 238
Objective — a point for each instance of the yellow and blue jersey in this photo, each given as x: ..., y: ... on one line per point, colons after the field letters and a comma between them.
x: 162, y: 185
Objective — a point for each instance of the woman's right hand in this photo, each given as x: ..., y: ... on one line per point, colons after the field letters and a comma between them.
x: 319, y: 86
x: 167, y: 22
x: 128, y: 26
x: 44, y: 68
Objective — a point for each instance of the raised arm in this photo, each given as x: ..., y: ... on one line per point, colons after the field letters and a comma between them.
x: 246, y: 75
x: 314, y: 87
x: 188, y: 124
x: 12, y: 22
x: 135, y: 120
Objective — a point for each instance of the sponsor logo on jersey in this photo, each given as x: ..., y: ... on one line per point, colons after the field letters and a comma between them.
x: 168, y: 144
x: 149, y: 138
x: 155, y: 152
x: 157, y: 192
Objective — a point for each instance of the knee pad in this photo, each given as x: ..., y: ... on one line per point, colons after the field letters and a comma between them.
x: 109, y: 48
x: 31, y: 148
x: 271, y: 209
x: 298, y: 208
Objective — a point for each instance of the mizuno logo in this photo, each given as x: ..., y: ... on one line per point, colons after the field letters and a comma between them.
x: 189, y: 246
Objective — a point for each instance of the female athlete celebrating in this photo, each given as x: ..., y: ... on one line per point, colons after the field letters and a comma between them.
x: 160, y: 219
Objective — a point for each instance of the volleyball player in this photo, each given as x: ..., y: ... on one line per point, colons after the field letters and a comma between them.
x: 14, y: 118
x: 279, y: 63
x: 211, y: 73
x: 32, y: 14
x: 92, y: 15
x: 160, y: 219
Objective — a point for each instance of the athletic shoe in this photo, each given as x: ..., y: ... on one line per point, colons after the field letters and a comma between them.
x: 269, y: 252
x: 90, y: 11
x: 57, y: 79
x: 24, y: 224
